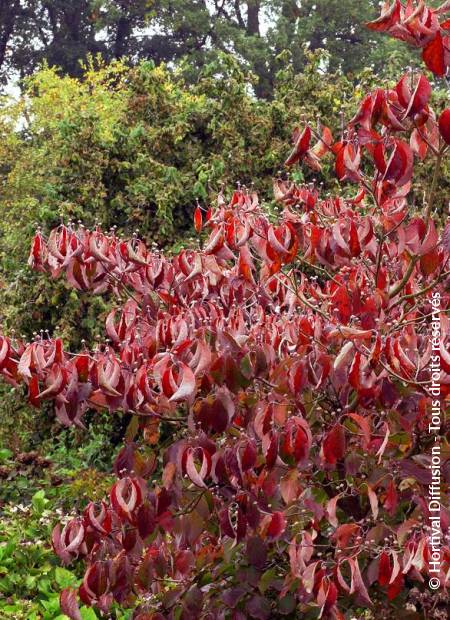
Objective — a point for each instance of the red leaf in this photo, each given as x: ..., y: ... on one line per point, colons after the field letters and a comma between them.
x: 36, y: 249
x: 429, y: 262
x: 341, y: 301
x: 69, y: 604
x: 331, y: 597
x: 100, y: 522
x: 418, y: 144
x: 56, y: 380
x: 391, y: 501
x: 420, y: 97
x: 430, y: 240
x: 445, y: 357
x: 331, y: 510
x: 434, y: 56
x: 302, y: 142
x: 66, y: 543
x: 82, y: 366
x: 146, y: 520
x: 379, y: 157
x: 198, y: 219
x: 111, y: 328
x: 186, y: 389
x: 400, y: 165
x: 345, y: 534
x: 396, y: 587
x: 272, y: 451
x: 334, y: 444
x: 225, y: 523
x: 277, y: 525
x: 249, y: 456
x: 354, y: 376
x: 324, y: 144
x: 25, y: 362
x: 290, y: 486
x: 354, y: 244
x: 4, y: 351
x: 387, y: 19
x: 351, y: 160
x: 33, y: 394
x: 384, y: 443
x: 444, y: 125
x: 245, y: 265
x: 126, y: 497
x: 384, y: 569
x: 403, y: 91
x: 197, y: 477
x: 295, y: 440
x: 357, y: 584
x: 184, y: 562
x: 215, y: 242
x: 108, y: 373
x: 364, y: 425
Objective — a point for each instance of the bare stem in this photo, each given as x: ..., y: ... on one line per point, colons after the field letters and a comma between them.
x: 404, y: 281
x: 434, y: 182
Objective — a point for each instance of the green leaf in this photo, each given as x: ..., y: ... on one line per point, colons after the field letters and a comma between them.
x: 45, y: 586
x: 87, y: 613
x: 267, y: 580
x: 287, y: 604
x: 5, y: 454
x: 39, y: 501
x: 7, y: 550
x: 52, y: 604
x: 30, y: 581
x: 246, y: 367
x: 64, y: 578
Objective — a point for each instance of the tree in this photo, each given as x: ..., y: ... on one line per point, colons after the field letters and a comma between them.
x: 9, y: 13
x: 66, y: 33
x: 194, y: 31
x: 290, y: 355
x: 335, y: 25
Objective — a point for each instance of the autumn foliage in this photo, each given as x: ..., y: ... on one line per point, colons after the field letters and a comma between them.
x: 421, y: 26
x: 287, y: 362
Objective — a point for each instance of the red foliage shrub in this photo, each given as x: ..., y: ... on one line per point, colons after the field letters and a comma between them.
x: 299, y: 405
x: 421, y: 26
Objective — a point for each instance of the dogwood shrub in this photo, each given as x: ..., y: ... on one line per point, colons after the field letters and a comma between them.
x: 287, y: 361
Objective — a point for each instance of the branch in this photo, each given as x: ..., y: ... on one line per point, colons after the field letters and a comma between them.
x: 431, y: 193
x: 404, y: 281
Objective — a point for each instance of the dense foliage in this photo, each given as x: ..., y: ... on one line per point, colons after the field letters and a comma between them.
x: 133, y: 148
x: 136, y: 148
x: 189, y: 32
x: 33, y: 490
x: 286, y: 362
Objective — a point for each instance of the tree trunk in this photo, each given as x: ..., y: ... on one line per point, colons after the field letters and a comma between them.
x: 253, y: 9
x: 9, y: 12
x: 122, y: 34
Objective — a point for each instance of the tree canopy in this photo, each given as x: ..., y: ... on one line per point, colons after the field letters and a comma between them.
x: 194, y: 31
